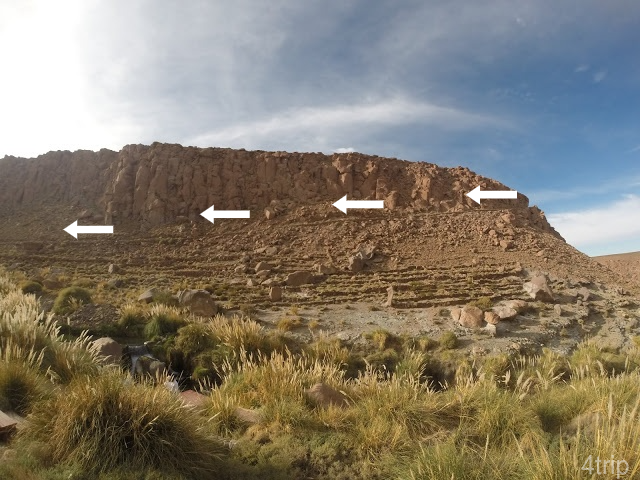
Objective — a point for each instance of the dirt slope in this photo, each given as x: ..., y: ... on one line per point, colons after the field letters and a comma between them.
x: 625, y: 264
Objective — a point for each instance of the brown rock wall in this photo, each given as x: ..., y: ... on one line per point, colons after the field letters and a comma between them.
x: 156, y: 184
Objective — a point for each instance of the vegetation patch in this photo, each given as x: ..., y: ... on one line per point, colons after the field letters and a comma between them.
x: 69, y: 299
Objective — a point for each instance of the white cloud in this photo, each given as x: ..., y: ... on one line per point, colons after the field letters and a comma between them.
x: 581, y: 68
x: 314, y: 128
x: 344, y: 150
x: 597, y: 228
x: 599, y: 76
x: 604, y: 186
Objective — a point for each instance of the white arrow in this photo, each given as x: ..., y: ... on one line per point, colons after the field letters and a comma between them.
x: 74, y: 229
x: 211, y: 214
x: 343, y: 204
x: 476, y: 194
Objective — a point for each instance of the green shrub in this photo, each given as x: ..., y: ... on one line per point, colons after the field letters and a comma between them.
x: 165, y: 298
x: 20, y: 386
x: 384, y: 361
x: 105, y: 423
x: 286, y: 324
x: 69, y: 299
x: 31, y: 286
x: 448, y: 341
x: 83, y: 283
x: 483, y: 303
x: 384, y: 339
x: 163, y: 320
x: 131, y: 315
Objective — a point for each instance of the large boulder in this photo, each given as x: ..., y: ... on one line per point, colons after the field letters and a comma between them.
x: 263, y: 266
x: 109, y: 350
x: 322, y: 395
x: 302, y: 277
x: 471, y: 317
x: 147, y: 297
x: 199, y: 302
x: 491, y: 317
x: 275, y: 293
x: 505, y: 312
x: 355, y: 264
x: 538, y: 288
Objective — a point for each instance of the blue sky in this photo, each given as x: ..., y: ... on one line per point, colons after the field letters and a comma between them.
x: 542, y: 95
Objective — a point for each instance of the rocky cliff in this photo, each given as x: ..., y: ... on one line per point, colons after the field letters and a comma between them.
x: 157, y: 184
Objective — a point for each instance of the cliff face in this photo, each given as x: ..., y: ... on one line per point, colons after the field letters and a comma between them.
x: 156, y: 184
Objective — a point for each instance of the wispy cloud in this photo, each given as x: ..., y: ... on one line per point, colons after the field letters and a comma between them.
x: 599, y: 76
x: 598, y: 227
x: 313, y: 128
x: 581, y: 68
x: 614, y: 185
x: 344, y: 150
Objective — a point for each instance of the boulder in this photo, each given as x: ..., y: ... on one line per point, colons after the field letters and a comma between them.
x: 115, y: 283
x: 8, y: 426
x: 193, y: 398
x: 147, y: 297
x: 518, y: 305
x: 269, y: 213
x: 114, y: 269
x: 263, y: 274
x: 491, y: 317
x: 326, y: 269
x: 390, y: 292
x: 109, y: 349
x: 490, y: 329
x: 275, y: 294
x: 296, y: 279
x: 538, y: 288
x: 557, y: 309
x: 585, y: 293
x: 147, y: 366
x: 247, y: 416
x: 455, y: 313
x: 506, y: 244
x: 263, y: 266
x: 471, y: 317
x: 355, y: 264
x: 199, y: 302
x: 322, y: 395
x: 504, y: 312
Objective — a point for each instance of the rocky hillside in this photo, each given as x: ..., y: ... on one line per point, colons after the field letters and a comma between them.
x: 403, y: 267
x: 162, y: 183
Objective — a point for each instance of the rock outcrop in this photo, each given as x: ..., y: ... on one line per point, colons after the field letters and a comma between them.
x: 164, y: 183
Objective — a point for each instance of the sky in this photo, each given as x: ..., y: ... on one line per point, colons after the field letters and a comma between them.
x: 542, y: 95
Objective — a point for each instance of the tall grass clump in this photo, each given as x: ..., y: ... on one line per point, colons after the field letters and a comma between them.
x: 163, y: 320
x: 131, y: 315
x: 105, y: 423
x: 27, y: 331
x: 69, y: 299
x: 31, y: 286
x: 21, y: 384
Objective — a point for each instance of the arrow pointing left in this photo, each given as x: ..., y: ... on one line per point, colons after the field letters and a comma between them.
x: 74, y: 229
x: 211, y: 214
